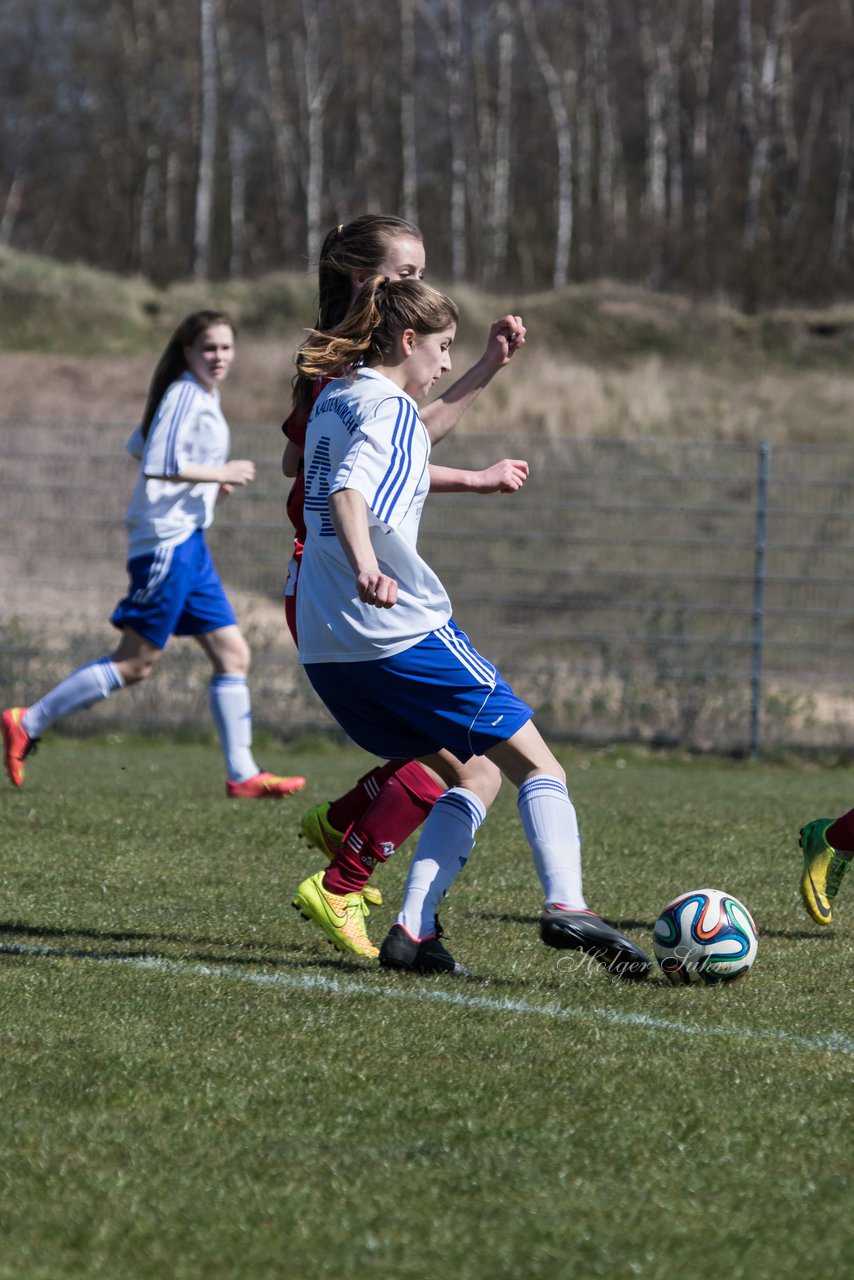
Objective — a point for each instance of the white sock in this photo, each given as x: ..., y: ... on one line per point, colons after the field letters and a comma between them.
x: 231, y: 710
x: 85, y: 686
x: 446, y: 841
x: 551, y: 829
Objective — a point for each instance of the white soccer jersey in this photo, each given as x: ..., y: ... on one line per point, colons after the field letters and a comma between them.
x: 365, y: 434
x: 188, y: 429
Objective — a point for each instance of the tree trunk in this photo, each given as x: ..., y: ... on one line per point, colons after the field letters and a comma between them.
x: 700, y: 137
x: 456, y: 127
x: 763, y: 124
x: 655, y: 190
x: 207, y: 141
x: 599, y: 34
x: 237, y: 148
x: 148, y: 210
x: 409, y: 154
x: 563, y: 134
x: 11, y: 208
x: 498, y: 217
x: 316, y: 86
x: 279, y: 114
x: 841, y: 227
x: 806, y: 150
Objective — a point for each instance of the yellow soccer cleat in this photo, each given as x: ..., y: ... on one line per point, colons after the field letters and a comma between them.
x: 824, y: 868
x: 316, y: 828
x: 340, y: 916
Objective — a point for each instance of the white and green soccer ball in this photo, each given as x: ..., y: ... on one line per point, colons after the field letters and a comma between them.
x: 706, y: 935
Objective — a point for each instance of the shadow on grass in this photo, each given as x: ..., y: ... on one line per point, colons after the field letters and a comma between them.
x: 34, y: 939
x: 261, y: 954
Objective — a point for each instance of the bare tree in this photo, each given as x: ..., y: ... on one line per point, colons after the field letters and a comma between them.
x: 182, y: 136
x: 315, y: 83
x: 599, y: 35
x: 207, y: 140
x: 408, y: 149
x: 499, y: 202
x: 11, y: 208
x: 761, y: 118
x: 702, y: 67
x: 841, y: 219
x: 448, y: 32
x: 279, y: 112
x: 237, y: 148
x: 654, y: 57
x: 563, y: 135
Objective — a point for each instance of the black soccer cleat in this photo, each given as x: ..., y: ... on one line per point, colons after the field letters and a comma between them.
x: 400, y: 951
x: 587, y: 932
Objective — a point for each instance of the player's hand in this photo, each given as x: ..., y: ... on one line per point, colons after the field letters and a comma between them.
x: 225, y: 491
x: 377, y: 589
x: 506, y: 476
x: 241, y: 471
x: 506, y: 336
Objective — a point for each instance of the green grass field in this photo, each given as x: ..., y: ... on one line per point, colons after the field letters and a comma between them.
x: 195, y: 1084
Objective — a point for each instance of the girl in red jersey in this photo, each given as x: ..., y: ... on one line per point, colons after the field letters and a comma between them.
x: 363, y: 827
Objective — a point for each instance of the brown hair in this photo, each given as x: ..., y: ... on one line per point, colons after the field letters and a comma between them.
x: 381, y: 312
x: 360, y: 245
x: 173, y: 362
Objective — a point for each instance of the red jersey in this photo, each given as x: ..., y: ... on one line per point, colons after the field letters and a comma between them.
x: 293, y: 428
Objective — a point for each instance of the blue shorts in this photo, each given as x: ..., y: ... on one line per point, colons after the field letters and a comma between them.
x: 439, y: 693
x: 174, y: 591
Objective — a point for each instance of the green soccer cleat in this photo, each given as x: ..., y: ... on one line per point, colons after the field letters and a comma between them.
x: 316, y: 828
x: 340, y: 916
x: 824, y: 868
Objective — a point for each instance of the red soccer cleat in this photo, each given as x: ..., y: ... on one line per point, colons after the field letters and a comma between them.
x: 17, y: 744
x: 264, y: 786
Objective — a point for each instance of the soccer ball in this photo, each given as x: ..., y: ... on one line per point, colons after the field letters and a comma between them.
x: 705, y: 936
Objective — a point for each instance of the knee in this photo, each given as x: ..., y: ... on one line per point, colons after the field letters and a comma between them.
x: 235, y: 659
x: 135, y: 669
x: 483, y: 778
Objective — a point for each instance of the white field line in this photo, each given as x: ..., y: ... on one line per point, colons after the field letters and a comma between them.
x: 831, y: 1041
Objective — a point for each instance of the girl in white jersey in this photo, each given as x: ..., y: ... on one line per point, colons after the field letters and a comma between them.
x: 182, y: 444
x: 378, y: 640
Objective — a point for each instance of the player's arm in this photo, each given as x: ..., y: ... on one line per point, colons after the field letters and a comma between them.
x: 506, y: 336
x: 240, y: 471
x: 291, y: 456
x: 506, y: 476
x: 349, y: 513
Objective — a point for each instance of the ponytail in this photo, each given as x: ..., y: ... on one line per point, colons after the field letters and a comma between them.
x: 349, y: 249
x: 382, y: 311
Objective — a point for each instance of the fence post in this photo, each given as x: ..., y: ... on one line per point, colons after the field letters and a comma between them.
x: 759, y: 595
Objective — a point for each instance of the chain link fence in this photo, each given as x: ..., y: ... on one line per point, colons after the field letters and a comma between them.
x: 671, y: 592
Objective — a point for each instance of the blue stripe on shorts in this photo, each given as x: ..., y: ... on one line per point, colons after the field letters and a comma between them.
x: 438, y: 693
x: 174, y: 591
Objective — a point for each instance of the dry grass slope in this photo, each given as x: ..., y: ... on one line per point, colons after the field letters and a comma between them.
x: 602, y: 359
